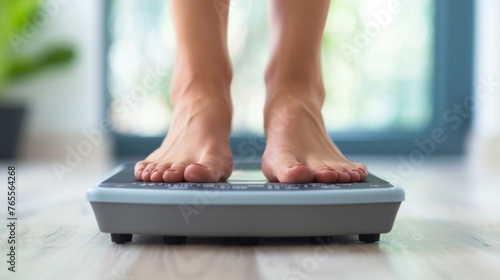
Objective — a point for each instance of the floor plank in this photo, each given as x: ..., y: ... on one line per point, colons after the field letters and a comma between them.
x: 448, y: 228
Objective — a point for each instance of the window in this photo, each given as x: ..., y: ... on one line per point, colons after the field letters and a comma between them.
x: 388, y: 67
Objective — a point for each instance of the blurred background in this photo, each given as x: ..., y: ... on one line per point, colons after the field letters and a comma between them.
x: 86, y: 79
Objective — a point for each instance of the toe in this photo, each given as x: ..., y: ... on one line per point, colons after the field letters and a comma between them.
x: 157, y: 174
x: 199, y: 173
x: 285, y: 168
x: 326, y: 175
x: 343, y: 176
x: 329, y: 172
x: 139, y: 168
x: 295, y: 173
x: 148, y: 170
x: 362, y: 170
x: 354, y: 174
x: 322, y: 172
x: 175, y: 173
x: 211, y: 167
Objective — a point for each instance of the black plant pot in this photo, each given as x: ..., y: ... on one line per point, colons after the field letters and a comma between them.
x: 11, y: 119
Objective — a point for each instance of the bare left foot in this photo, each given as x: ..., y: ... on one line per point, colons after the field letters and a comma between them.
x: 298, y: 148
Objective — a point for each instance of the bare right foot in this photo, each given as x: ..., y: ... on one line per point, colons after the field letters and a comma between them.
x: 196, y: 148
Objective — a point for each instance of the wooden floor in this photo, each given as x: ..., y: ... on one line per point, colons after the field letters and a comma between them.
x: 448, y: 228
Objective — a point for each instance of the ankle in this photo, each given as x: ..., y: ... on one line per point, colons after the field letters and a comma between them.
x: 294, y: 92
x: 300, y: 67
x: 301, y: 80
x: 211, y: 64
x: 189, y: 83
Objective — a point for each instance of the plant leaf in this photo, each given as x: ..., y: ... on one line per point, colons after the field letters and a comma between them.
x: 23, y: 67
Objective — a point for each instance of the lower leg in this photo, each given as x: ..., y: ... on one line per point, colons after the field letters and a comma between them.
x: 298, y: 147
x: 196, y: 147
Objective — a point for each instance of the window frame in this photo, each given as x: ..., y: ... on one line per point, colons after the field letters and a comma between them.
x: 451, y: 83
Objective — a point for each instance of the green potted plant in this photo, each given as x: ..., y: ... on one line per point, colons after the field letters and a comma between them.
x: 15, y: 65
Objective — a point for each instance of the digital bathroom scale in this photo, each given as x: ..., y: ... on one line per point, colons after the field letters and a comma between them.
x: 247, y: 207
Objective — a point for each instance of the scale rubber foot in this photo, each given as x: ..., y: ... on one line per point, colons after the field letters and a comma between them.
x: 318, y: 240
x: 247, y: 241
x: 369, y: 238
x: 174, y: 240
x: 121, y: 237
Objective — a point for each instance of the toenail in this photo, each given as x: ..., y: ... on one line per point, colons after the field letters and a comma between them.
x: 155, y: 171
x: 140, y: 170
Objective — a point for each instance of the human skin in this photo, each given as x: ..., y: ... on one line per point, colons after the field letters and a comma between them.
x: 298, y: 147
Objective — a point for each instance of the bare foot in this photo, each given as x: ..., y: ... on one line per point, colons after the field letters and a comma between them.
x: 196, y: 148
x: 298, y: 148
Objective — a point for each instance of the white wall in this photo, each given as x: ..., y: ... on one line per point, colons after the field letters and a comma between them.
x: 63, y: 102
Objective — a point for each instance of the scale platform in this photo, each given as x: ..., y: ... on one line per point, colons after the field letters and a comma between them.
x: 246, y: 207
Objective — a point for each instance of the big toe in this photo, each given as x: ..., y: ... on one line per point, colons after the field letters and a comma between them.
x: 198, y: 173
x: 212, y: 167
x: 285, y: 168
x: 296, y: 173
